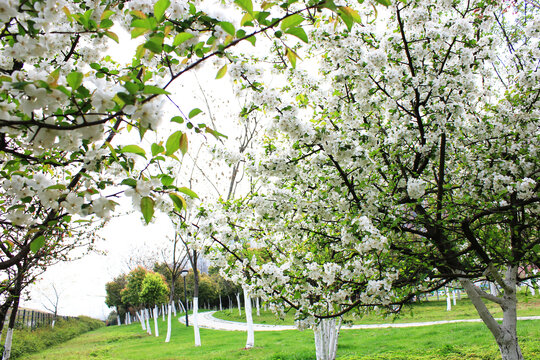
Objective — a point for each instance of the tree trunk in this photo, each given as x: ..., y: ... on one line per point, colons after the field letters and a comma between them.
x: 220, y: 305
x: 196, y: 322
x: 196, y: 301
x: 3, y: 313
x: 169, y: 315
x: 163, y: 312
x: 147, y: 317
x: 448, y: 302
x: 11, y: 326
x: 249, y: 320
x: 505, y: 334
x: 238, y: 300
x: 141, y: 317
x: 454, y: 297
x: 258, y: 306
x: 173, y: 307
x: 326, y: 334
x: 117, y: 320
x: 155, y: 320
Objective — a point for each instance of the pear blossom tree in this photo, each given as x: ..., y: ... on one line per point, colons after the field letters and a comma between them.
x: 68, y: 106
x: 410, y: 157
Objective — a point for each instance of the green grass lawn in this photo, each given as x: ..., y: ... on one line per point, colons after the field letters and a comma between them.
x: 438, y: 342
x: 462, y: 341
x: 424, y: 311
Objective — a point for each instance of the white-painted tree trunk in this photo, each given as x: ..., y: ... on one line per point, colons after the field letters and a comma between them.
x: 156, y: 330
x: 52, y: 323
x: 140, y: 315
x: 173, y: 308
x: 181, y: 305
x: 196, y: 322
x: 7, y: 344
x: 249, y: 320
x: 147, y: 317
x: 454, y: 297
x: 169, y: 315
x: 118, y: 322
x: 505, y: 334
x: 163, y: 311
x: 326, y: 334
x: 238, y: 301
x: 258, y: 306
x: 220, y: 305
x: 448, y: 302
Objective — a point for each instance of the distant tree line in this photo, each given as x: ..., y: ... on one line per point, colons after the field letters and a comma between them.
x: 141, y: 288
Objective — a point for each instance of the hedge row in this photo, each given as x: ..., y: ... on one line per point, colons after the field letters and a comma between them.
x: 26, y: 341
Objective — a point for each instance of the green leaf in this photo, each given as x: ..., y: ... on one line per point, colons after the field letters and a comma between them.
x: 53, y: 76
x: 178, y: 201
x: 293, y: 20
x: 56, y: 187
x: 228, y: 27
x: 194, y: 113
x: 151, y: 89
x: 136, y: 32
x: 184, y: 144
x: 180, y: 38
x: 37, y: 244
x: 247, y: 5
x: 188, y: 192
x: 134, y: 149
x: 221, y: 72
x: 347, y: 19
x: 129, y: 181
x: 105, y: 24
x: 153, y: 46
x: 246, y: 20
x: 159, y: 8
x: 252, y: 40
x: 353, y: 14
x: 113, y: 36
x: 299, y: 33
x: 167, y: 180
x: 173, y: 143
x: 106, y: 14
x: 74, y: 79
x: 147, y: 208
x: 178, y: 119
x: 384, y: 2
x: 291, y: 55
x: 216, y: 134
x: 157, y: 149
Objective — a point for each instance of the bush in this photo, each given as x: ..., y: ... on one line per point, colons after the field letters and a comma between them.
x: 27, y: 341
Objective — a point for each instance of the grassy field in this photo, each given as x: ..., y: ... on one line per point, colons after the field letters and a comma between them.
x: 424, y: 311
x: 438, y: 342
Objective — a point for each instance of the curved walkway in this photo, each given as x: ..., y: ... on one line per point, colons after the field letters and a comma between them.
x: 208, y: 321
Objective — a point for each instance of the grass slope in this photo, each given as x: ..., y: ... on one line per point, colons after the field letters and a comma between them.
x: 448, y: 342
x: 418, y: 312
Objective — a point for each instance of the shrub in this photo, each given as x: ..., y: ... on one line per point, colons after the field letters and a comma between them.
x: 26, y: 341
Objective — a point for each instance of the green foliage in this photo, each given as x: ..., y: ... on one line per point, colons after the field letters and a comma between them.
x: 154, y: 289
x: 26, y: 341
x: 130, y: 294
x: 113, y: 290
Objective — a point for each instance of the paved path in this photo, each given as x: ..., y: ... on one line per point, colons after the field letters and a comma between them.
x: 208, y: 321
